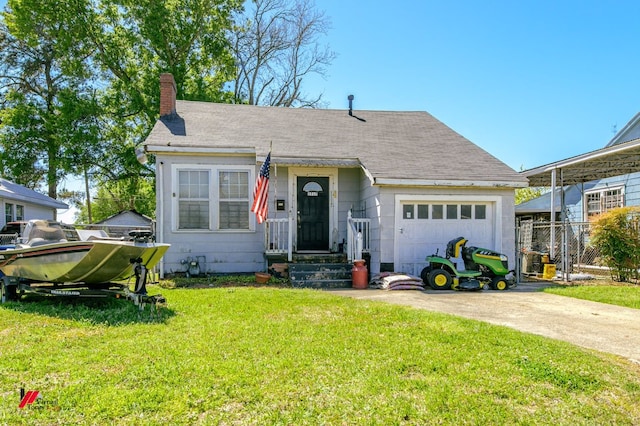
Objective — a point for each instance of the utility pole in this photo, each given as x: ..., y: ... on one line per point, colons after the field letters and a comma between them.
x: 86, y: 188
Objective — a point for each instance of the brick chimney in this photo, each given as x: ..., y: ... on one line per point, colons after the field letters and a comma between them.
x: 167, y: 94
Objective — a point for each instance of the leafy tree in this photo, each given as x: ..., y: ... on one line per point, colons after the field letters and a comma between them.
x: 616, y: 235
x: 49, y: 107
x: 276, y: 44
x: 134, y: 41
x: 79, y: 78
x: 116, y: 196
x: 526, y: 194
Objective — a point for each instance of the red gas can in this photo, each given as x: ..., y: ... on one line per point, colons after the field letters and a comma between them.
x: 359, y: 274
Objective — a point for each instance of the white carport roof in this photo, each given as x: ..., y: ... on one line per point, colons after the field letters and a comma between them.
x: 616, y: 160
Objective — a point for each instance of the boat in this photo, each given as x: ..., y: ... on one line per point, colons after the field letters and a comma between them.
x: 51, y: 252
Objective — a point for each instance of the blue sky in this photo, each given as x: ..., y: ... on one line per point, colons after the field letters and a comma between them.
x: 531, y: 82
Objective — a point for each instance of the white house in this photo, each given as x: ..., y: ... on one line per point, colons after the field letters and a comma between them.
x: 21, y: 203
x: 408, y: 181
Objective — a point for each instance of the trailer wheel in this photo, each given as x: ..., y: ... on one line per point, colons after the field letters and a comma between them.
x: 7, y: 292
x: 439, y: 279
x: 499, y: 283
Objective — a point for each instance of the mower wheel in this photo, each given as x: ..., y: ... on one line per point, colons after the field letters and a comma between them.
x: 499, y: 283
x: 439, y: 279
x: 424, y: 274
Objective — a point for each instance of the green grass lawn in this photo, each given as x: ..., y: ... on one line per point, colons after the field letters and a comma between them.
x: 622, y: 295
x: 243, y: 355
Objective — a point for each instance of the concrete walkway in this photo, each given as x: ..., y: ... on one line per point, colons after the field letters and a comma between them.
x: 606, y: 328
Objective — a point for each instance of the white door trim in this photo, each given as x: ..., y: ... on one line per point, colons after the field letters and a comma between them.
x: 332, y: 174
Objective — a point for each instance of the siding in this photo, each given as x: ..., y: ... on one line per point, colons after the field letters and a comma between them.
x: 236, y: 251
x: 220, y: 251
x: 630, y: 182
x: 31, y: 211
x: 348, y: 197
x: 371, y: 199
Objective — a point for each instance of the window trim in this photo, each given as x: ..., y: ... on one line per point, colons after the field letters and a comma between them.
x: 214, y: 198
x: 443, y: 210
x: 9, y: 212
x: 16, y: 216
x: 601, y: 190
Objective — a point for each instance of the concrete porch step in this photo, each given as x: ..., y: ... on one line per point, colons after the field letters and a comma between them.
x: 302, y: 257
x: 320, y: 275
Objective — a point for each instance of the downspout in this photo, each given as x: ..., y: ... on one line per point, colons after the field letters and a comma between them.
x: 160, y: 212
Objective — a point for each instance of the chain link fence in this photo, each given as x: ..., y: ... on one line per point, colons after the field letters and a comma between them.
x: 8, y: 239
x: 565, y: 244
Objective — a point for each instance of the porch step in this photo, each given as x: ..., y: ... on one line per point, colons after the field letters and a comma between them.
x: 319, y: 258
x: 320, y: 275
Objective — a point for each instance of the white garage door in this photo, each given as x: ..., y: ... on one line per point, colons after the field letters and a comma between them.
x: 422, y: 227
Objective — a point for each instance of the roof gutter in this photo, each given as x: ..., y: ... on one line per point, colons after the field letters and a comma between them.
x: 448, y: 183
x: 317, y: 162
x: 582, y: 158
x: 24, y: 198
x: 189, y: 150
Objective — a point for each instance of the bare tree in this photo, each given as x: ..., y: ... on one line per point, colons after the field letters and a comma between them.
x: 276, y: 45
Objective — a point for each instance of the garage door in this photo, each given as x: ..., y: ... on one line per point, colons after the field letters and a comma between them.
x: 425, y: 227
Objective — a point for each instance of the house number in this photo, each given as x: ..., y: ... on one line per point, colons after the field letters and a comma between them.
x: 312, y: 194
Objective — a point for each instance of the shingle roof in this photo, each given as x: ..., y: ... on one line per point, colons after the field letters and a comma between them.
x: 390, y: 145
x: 13, y: 191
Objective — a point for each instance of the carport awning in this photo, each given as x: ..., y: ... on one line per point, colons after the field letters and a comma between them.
x: 607, y: 162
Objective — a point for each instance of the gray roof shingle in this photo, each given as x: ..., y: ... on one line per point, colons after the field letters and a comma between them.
x: 13, y: 191
x: 390, y: 145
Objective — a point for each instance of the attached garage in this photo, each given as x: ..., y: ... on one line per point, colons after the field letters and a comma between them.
x: 425, y: 224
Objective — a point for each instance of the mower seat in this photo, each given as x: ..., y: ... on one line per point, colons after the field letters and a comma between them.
x: 453, y: 247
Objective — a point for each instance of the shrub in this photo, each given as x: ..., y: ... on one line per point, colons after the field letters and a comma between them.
x: 616, y: 235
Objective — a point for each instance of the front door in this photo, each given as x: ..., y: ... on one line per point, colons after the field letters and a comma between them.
x: 313, y: 213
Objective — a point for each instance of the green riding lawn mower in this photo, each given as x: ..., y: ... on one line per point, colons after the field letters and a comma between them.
x: 483, y: 268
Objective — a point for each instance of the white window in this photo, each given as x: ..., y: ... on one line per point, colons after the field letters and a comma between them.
x: 19, y: 212
x: 603, y: 200
x: 233, y: 205
x: 8, y: 213
x: 210, y: 198
x: 194, y: 205
x: 445, y: 211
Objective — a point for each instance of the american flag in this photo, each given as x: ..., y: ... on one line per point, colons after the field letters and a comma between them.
x: 261, y: 192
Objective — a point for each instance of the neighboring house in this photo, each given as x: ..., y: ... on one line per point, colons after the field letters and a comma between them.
x: 410, y: 181
x: 119, y: 224
x: 21, y: 203
x: 538, y: 209
x: 611, y: 185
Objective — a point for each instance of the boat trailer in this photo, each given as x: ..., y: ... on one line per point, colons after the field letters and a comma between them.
x: 12, y: 288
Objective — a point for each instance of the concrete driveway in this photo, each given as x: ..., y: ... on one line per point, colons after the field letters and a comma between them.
x: 592, y: 325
